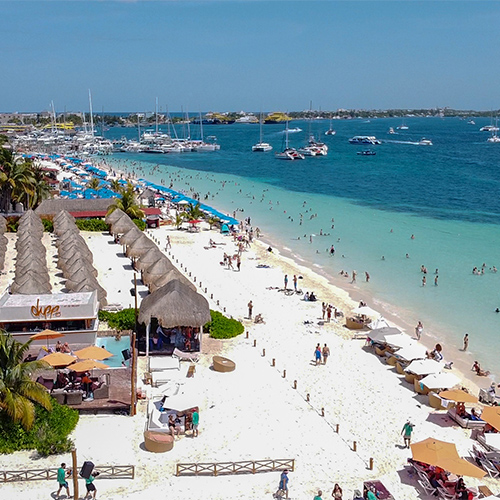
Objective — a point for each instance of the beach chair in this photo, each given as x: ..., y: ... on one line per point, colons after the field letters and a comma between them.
x: 409, y: 377
x: 193, y: 357
x: 391, y: 361
x: 427, y: 487
x: 445, y: 494
x: 435, y: 401
x: 399, y: 368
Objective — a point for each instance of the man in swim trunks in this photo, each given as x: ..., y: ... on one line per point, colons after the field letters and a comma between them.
x: 61, y: 480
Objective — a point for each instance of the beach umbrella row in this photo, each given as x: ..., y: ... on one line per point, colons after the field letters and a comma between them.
x: 75, y: 259
x: 31, y: 273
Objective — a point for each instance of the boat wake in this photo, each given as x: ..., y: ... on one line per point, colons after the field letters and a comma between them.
x: 404, y: 142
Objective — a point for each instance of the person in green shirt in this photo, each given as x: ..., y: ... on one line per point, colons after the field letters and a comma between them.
x: 406, y: 432
x: 196, y: 421
x: 61, y: 480
x: 318, y: 496
x: 368, y: 494
x: 89, y: 484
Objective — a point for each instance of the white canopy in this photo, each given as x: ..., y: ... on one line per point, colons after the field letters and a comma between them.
x: 424, y: 367
x: 366, y: 311
x: 493, y: 440
x: 411, y: 352
x: 440, y: 381
x: 382, y: 334
x: 400, y: 340
x: 378, y: 323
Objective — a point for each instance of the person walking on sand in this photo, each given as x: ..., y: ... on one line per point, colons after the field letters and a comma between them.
x: 317, y: 355
x: 329, y: 313
x: 238, y: 263
x: 283, y: 485
x: 323, y: 310
x: 286, y: 281
x: 90, y: 486
x: 354, y: 277
x: 406, y: 433
x: 62, y: 474
x: 250, y: 308
x: 295, y: 282
x: 337, y: 492
x: 466, y: 342
x: 196, y: 423
x: 326, y: 353
x: 168, y: 244
x: 419, y: 329
x: 318, y: 496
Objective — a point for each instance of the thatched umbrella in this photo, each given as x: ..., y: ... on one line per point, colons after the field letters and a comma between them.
x: 113, y: 217
x: 148, y: 258
x: 158, y: 268
x: 131, y: 235
x: 21, y: 278
x: 67, y: 260
x: 171, y: 275
x: 31, y: 287
x: 140, y: 247
x: 70, y: 269
x: 81, y: 274
x: 174, y: 305
x: 122, y: 225
x: 66, y: 251
x: 101, y: 293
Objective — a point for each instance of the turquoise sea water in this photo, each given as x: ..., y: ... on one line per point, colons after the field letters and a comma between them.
x: 446, y: 195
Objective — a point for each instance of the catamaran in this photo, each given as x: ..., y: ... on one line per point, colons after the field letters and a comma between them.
x: 261, y: 146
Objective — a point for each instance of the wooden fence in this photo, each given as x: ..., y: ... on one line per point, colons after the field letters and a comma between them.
x: 105, y: 472
x: 225, y: 468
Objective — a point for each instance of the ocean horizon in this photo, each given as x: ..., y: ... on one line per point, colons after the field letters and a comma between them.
x: 445, y: 195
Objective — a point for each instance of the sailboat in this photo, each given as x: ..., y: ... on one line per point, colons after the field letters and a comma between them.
x: 261, y: 147
x: 494, y: 137
x: 403, y: 126
x: 330, y: 131
x: 288, y: 153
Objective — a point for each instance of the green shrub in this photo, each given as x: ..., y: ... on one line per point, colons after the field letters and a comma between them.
x: 12, y: 224
x: 48, y: 225
x: 140, y: 224
x: 49, y: 434
x: 97, y: 225
x: 122, y: 320
x: 222, y: 327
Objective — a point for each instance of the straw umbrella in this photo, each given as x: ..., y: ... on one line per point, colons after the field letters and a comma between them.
x: 46, y: 335
x: 459, y: 396
x: 122, y: 225
x: 58, y: 359
x: 30, y: 288
x: 491, y: 414
x: 87, y: 364
x: 157, y: 269
x: 148, y: 258
x: 93, y: 352
x: 171, y: 275
x: 113, y: 217
x: 140, y: 247
x: 131, y: 235
x: 173, y: 305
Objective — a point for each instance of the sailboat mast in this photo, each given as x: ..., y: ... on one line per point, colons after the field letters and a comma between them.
x: 156, y: 116
x: 201, y: 128
x: 260, y: 124
x: 91, y: 115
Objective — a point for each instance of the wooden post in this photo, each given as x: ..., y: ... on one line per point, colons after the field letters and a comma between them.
x: 263, y: 352
x: 337, y: 428
x: 274, y: 362
x: 133, y: 402
x: 135, y: 299
x: 371, y: 464
x: 284, y: 373
x: 308, y: 397
x: 247, y: 330
x: 295, y: 384
x: 75, y: 473
x: 322, y: 412
x: 255, y: 342
x: 212, y: 296
x: 354, y: 446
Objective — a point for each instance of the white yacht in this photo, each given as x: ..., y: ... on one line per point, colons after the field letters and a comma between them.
x: 261, y: 147
x: 425, y: 142
x: 403, y: 126
x: 391, y: 130
x: 494, y: 138
x: 365, y: 139
x: 489, y: 128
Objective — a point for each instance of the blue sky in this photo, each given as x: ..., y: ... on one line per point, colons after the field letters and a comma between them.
x: 252, y: 55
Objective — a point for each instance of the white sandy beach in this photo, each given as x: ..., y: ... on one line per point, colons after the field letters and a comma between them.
x: 253, y: 412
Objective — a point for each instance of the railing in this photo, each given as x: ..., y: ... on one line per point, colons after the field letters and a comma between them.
x: 105, y: 472
x: 225, y: 468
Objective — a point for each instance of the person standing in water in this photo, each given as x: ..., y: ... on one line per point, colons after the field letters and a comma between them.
x: 466, y: 342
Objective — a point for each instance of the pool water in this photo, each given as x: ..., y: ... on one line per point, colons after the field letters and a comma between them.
x: 115, y: 347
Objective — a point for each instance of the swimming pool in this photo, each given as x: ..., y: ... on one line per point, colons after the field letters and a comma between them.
x: 115, y: 347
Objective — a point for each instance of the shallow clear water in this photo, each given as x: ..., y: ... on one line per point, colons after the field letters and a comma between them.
x: 446, y: 195
x: 115, y: 347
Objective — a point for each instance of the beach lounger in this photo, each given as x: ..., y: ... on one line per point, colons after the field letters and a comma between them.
x: 193, y: 357
x: 466, y: 423
x: 161, y: 363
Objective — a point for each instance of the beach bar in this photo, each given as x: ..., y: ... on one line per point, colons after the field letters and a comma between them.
x: 73, y: 314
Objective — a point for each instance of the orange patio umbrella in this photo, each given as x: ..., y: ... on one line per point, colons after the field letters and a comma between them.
x: 87, y: 364
x: 458, y: 396
x: 491, y: 414
x: 46, y: 335
x: 442, y: 454
x: 93, y: 352
x: 58, y: 359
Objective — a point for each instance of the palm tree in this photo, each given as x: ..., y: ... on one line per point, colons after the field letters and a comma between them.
x: 194, y: 212
x: 179, y: 219
x: 116, y: 186
x: 40, y: 189
x: 16, y: 178
x: 93, y: 183
x: 18, y: 391
x: 127, y: 203
x: 213, y: 221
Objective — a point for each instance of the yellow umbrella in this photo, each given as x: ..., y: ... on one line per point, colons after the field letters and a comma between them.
x: 46, y: 335
x: 93, y: 352
x: 442, y: 454
x: 491, y: 414
x: 458, y: 396
x: 431, y: 451
x: 58, y: 359
x: 461, y: 467
x: 87, y: 364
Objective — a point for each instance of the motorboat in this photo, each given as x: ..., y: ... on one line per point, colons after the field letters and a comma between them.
x: 425, y: 142
x: 289, y: 154
x: 330, y: 131
x: 391, y: 131
x: 403, y: 126
x: 364, y: 139
x: 294, y: 130
x: 471, y: 122
x: 489, y: 128
x: 320, y: 148
x: 367, y: 152
x: 494, y: 138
